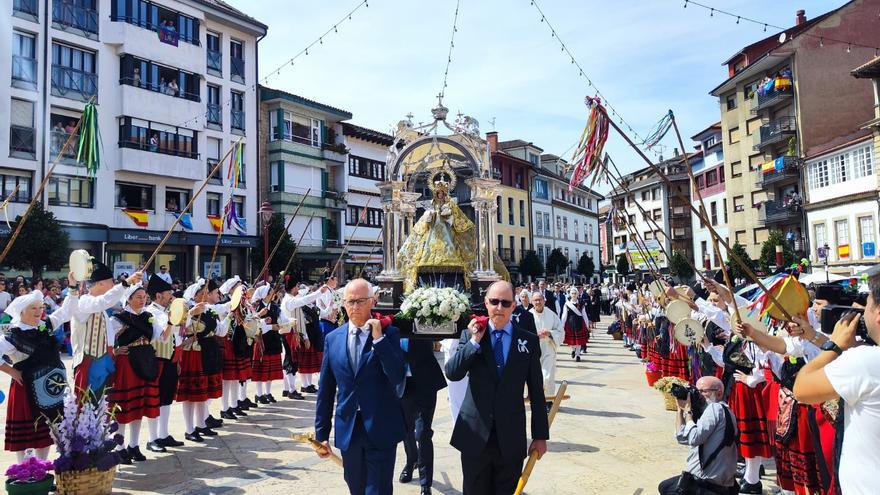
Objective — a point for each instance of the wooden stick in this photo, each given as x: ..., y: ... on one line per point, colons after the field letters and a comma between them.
x: 372, y: 250
x: 281, y: 237
x: 533, y: 457
x: 317, y: 446
x: 188, y: 206
x: 295, y: 250
x: 353, y: 232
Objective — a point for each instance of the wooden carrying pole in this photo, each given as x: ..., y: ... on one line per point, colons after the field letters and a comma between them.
x: 353, y: 232
x: 280, y: 280
x: 533, y: 457
x: 281, y: 237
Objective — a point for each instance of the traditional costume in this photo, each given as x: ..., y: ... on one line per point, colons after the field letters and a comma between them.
x: 295, y: 341
x: 576, y: 332
x: 236, y: 357
x: 547, y: 320
x: 36, y: 354
x: 309, y: 360
x: 266, y: 364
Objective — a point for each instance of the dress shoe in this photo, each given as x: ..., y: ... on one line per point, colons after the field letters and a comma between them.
x: 311, y: 389
x: 124, y: 457
x: 285, y: 394
x: 239, y: 412
x: 212, y: 422
x: 136, y: 455
x: 296, y: 395
x: 426, y: 490
x: 572, y: 353
x: 262, y: 399
x: 228, y: 414
x: 207, y: 431
x: 248, y: 403
x: 194, y: 436
x: 169, y: 441
x: 751, y: 488
x: 155, y: 447
x: 271, y: 399
x: 406, y: 475
x: 578, y: 359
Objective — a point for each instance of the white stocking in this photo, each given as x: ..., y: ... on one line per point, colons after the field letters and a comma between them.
x: 20, y: 456
x: 753, y: 470
x: 242, y: 391
x: 201, y: 410
x: 188, y: 412
x: 268, y: 387
x: 134, y: 433
x: 305, y: 379
x: 153, y: 428
x: 42, y: 453
x: 577, y: 351
x: 224, y: 399
x: 164, y: 415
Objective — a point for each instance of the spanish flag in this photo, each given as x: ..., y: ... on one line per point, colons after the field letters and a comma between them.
x: 139, y: 217
x: 768, y: 167
x: 843, y: 251
x: 216, y: 222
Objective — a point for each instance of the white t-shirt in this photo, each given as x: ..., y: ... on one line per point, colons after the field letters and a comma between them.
x: 855, y: 376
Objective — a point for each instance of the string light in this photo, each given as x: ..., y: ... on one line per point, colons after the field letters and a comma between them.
x: 451, y: 46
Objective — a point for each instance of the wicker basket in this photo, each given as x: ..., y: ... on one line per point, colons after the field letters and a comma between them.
x: 90, y: 481
x: 617, y: 335
x: 670, y: 402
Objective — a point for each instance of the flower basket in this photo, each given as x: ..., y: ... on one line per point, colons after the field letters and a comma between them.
x: 89, y: 481
x: 669, y: 402
x: 41, y: 487
x: 652, y: 377
x: 618, y: 335
x: 664, y: 385
x: 433, y: 309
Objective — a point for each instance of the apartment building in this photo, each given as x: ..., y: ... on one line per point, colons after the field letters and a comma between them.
x: 789, y: 98
x: 708, y: 169
x: 174, y: 87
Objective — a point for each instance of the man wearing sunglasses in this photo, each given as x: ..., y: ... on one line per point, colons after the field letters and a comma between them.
x: 490, y: 431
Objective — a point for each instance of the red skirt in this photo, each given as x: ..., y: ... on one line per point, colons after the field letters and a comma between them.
x: 676, y: 362
x: 193, y: 385
x: 136, y: 397
x: 267, y: 368
x: 651, y: 353
x: 770, y: 395
x: 308, y: 360
x: 796, y: 459
x: 748, y: 408
x: 25, y: 429
x: 235, y: 368
x: 576, y: 336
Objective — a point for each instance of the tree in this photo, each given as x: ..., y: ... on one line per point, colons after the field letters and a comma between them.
x: 530, y: 265
x: 42, y: 243
x: 768, y: 251
x: 622, y: 265
x: 734, y: 271
x: 586, y: 267
x: 679, y: 266
x: 285, y: 249
x: 556, y: 262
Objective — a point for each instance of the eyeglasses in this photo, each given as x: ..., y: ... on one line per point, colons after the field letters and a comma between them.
x: 356, y: 302
x: 503, y: 302
x: 707, y: 390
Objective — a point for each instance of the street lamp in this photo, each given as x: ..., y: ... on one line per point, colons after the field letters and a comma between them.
x: 827, y: 276
x: 266, y: 213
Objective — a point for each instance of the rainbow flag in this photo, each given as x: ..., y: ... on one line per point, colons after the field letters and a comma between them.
x: 139, y: 217
x: 216, y: 222
x: 235, y: 171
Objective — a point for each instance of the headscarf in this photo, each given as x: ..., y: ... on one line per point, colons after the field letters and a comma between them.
x: 19, y: 304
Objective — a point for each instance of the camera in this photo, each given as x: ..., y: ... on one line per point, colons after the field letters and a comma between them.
x: 691, y: 394
x: 832, y: 313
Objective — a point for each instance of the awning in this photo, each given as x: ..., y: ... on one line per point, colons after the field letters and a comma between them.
x: 365, y: 258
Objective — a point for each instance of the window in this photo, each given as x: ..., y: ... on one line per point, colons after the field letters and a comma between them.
x: 539, y: 224
x: 236, y: 60
x: 24, y: 60
x: 738, y: 204
x: 866, y: 236
x: 214, y: 115
x: 820, y: 236
x: 213, y: 201
x: 371, y: 218
x: 134, y: 196
x: 25, y: 7
x: 510, y: 211
x: 658, y: 214
x: 22, y: 137
x: 295, y: 128
x: 547, y: 231
x: 215, y: 53
x: 701, y: 181
x: 14, y: 178
x: 645, y: 195
x: 176, y: 199
x: 364, y: 167
x: 713, y: 209
x: 74, y: 72
x: 533, y: 158
x: 172, y: 26
x: 541, y: 189
x: 522, y: 247
x: 736, y: 169
x: 750, y: 90
x: 157, y: 138
x: 655, y: 193
x: 213, y: 153
x: 518, y: 180
x: 577, y: 234
x: 500, y: 242
x: 741, y: 237
x: 78, y: 14
x: 588, y: 233
x: 839, y: 169
x: 65, y: 190
x: 541, y: 253
x: 704, y: 250
x: 731, y: 102
x: 236, y: 111
x: 238, y: 204
x: 558, y: 224
x: 565, y: 228
x: 733, y: 135
x: 711, y: 178
x: 725, y: 210
x: 863, y: 165
x: 522, y: 213
x: 146, y: 74
x: 512, y: 247
x: 62, y: 126
x: 841, y: 229
x: 498, y: 210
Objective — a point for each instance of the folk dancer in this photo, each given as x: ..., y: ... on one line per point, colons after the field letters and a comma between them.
x: 298, y: 339
x: 266, y: 363
x: 310, y: 359
x: 30, y: 345
x: 92, y: 361
x: 135, y: 391
x: 237, y: 353
x: 160, y: 292
x: 576, y: 332
x: 550, y: 336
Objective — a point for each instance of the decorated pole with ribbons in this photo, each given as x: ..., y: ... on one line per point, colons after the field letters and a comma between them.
x: 587, y: 153
x: 281, y: 275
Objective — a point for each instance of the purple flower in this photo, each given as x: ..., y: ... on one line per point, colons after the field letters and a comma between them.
x: 63, y: 464
x: 78, y: 444
x: 81, y: 462
x: 107, y: 461
x: 114, y: 427
x: 118, y: 439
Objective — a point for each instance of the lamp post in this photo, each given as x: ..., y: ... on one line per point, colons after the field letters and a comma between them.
x: 827, y: 276
x: 266, y: 213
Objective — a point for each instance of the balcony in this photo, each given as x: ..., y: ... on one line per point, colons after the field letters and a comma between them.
x: 215, y: 62
x: 58, y: 138
x: 24, y: 72
x: 73, y: 83
x: 217, y: 178
x: 506, y: 255
x: 22, y: 142
x: 771, y: 99
x: 237, y: 68
x: 236, y: 119
x: 776, y: 212
x: 776, y: 131
x: 214, y: 114
x: 790, y: 171
x: 28, y: 7
x: 66, y: 14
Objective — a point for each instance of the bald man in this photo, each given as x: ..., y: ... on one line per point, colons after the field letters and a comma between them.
x: 490, y: 431
x: 365, y: 364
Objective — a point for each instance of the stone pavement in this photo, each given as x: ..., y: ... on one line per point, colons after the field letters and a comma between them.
x: 612, y: 437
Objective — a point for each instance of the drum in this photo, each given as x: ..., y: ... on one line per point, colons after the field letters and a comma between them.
x: 235, y: 298
x: 689, y: 332
x: 81, y: 265
x: 792, y: 296
x: 177, y: 311
x: 677, y: 310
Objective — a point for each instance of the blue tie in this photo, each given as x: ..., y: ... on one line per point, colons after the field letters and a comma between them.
x: 404, y: 344
x: 498, y: 347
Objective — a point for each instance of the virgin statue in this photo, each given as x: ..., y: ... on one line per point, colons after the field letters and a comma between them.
x: 441, y: 248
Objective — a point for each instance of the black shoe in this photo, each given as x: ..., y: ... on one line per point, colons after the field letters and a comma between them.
x: 426, y: 490
x: 285, y: 394
x: 310, y: 389
x: 156, y: 447
x: 228, y: 414
x: 247, y: 404
x: 239, y: 412
x: 262, y: 399
x: 572, y: 353
x: 206, y: 431
x: 296, y: 395
x: 578, y: 359
x: 212, y: 422
x: 751, y: 489
x: 406, y: 475
x: 270, y: 398
x: 169, y: 441
x: 194, y: 436
x: 124, y: 457
x: 136, y: 455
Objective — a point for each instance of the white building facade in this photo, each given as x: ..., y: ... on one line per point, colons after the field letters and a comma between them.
x: 708, y: 170
x: 174, y: 87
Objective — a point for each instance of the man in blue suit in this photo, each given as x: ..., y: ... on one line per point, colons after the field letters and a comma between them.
x: 364, y: 367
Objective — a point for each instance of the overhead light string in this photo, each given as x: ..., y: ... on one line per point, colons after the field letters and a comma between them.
x: 451, y: 47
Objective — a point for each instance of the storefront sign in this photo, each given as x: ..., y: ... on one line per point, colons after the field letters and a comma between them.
x: 212, y: 269
x: 123, y: 267
x: 178, y: 238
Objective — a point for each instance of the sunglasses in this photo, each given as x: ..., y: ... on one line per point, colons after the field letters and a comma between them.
x: 506, y: 303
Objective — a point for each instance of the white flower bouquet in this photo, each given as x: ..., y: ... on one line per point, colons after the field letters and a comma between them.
x: 434, y: 306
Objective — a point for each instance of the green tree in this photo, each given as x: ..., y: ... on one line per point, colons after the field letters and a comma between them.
x: 734, y: 271
x: 768, y: 251
x: 285, y: 249
x: 556, y: 262
x: 622, y: 265
x: 530, y: 265
x: 585, y: 267
x: 679, y: 266
x: 42, y: 243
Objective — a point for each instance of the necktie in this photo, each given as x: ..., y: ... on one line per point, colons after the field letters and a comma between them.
x: 404, y: 344
x: 354, y: 349
x: 498, y: 347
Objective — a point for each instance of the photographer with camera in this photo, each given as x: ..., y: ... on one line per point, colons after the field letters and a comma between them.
x: 711, y: 462
x: 851, y: 371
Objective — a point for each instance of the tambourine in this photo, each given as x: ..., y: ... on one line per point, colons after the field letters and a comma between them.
x: 791, y: 295
x: 177, y: 311
x: 251, y: 327
x: 689, y: 332
x: 81, y: 265
x: 235, y: 298
x: 750, y: 316
x: 285, y: 327
x: 677, y: 311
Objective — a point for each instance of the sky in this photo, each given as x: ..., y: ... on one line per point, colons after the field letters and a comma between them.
x: 645, y: 56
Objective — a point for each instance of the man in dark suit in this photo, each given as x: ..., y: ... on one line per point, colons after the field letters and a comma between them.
x: 548, y: 294
x: 525, y: 319
x: 490, y: 431
x: 366, y: 365
x: 556, y: 300
x: 423, y: 379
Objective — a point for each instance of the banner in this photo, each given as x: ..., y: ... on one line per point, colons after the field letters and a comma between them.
x: 216, y: 222
x: 653, y: 251
x: 139, y: 217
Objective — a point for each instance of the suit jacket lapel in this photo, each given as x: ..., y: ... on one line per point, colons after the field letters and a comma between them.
x: 365, y: 353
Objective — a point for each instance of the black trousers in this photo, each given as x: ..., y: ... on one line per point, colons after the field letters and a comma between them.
x: 167, y: 382
x: 418, y: 414
x: 489, y: 473
x: 670, y: 487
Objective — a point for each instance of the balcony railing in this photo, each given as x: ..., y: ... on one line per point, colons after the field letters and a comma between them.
x: 66, y: 13
x: 217, y: 177
x: 73, y: 83
x: 237, y: 67
x: 506, y: 255
x: 21, y: 140
x: 215, y: 60
x: 236, y: 119
x: 156, y: 148
x: 770, y: 99
x: 215, y: 116
x: 160, y: 88
x: 58, y: 138
x: 773, y: 212
x: 25, y: 6
x: 790, y: 170
x: 776, y: 131
x: 24, y: 69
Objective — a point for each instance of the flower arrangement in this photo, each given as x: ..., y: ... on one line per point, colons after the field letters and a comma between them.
x: 31, y: 470
x: 665, y: 384
x: 651, y: 367
x: 85, y: 435
x: 434, y: 306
